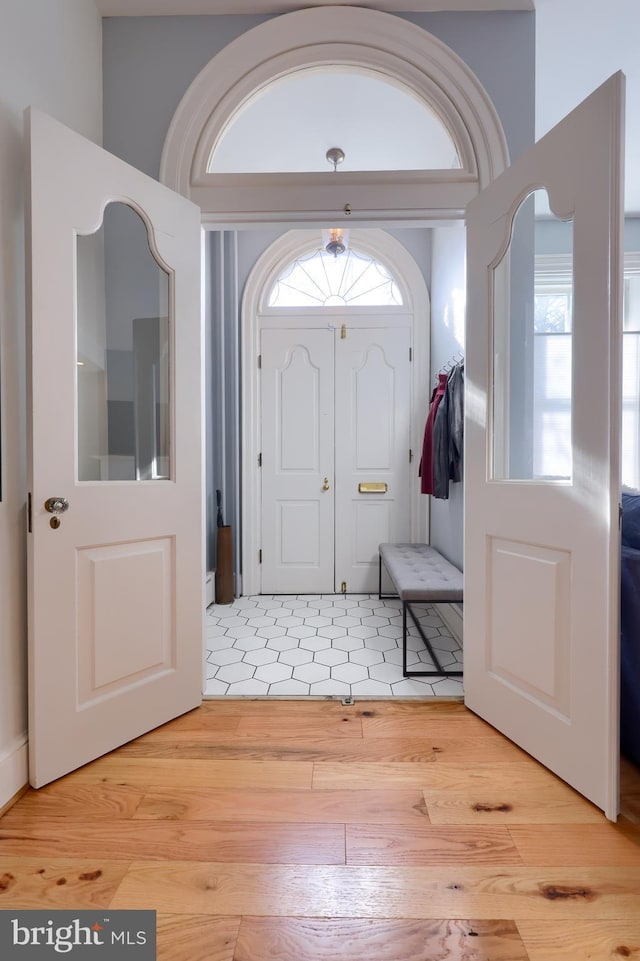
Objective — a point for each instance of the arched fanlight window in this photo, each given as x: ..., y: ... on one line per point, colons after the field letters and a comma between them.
x: 320, y: 279
x: 380, y: 122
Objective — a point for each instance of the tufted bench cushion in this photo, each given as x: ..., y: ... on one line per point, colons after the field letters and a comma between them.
x: 420, y: 573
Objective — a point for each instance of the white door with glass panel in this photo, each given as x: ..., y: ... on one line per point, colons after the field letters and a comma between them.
x: 543, y: 388
x: 335, y: 412
x: 115, y: 544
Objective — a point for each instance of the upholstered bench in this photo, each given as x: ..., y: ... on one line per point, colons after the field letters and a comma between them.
x: 420, y: 574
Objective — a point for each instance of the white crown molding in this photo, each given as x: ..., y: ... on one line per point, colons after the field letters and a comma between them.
x: 345, y: 35
x: 165, y: 8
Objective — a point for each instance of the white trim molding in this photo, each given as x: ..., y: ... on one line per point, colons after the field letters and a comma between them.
x: 415, y: 312
x: 14, y: 769
x: 349, y: 36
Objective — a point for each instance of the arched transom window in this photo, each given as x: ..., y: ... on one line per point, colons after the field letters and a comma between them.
x: 320, y: 279
x: 380, y: 123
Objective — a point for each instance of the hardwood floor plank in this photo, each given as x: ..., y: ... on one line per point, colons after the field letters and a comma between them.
x: 481, y: 806
x: 86, y: 801
x: 440, y: 776
x: 203, y: 745
x: 330, y: 807
x: 429, y: 725
x: 168, y: 841
x: 429, y: 844
x: 381, y: 892
x: 308, y: 939
x: 194, y: 937
x: 219, y: 722
x: 295, y: 727
x: 117, y: 768
x: 81, y: 883
x: 629, y: 791
x: 578, y: 844
x: 581, y: 941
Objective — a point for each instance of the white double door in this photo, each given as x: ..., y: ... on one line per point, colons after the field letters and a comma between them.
x: 336, y: 472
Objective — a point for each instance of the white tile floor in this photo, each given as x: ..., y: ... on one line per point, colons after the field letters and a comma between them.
x: 322, y: 645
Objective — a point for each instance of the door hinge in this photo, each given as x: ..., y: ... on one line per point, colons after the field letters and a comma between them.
x: 260, y: 556
x: 260, y: 459
x: 410, y: 456
x: 259, y: 361
x: 343, y: 332
x: 29, y: 513
x: 410, y: 354
x: 343, y: 587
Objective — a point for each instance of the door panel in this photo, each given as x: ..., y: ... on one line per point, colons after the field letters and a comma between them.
x: 297, y: 382
x: 116, y: 585
x: 542, y: 545
x: 372, y: 447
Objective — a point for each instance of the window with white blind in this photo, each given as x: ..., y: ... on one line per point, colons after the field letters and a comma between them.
x: 552, y: 370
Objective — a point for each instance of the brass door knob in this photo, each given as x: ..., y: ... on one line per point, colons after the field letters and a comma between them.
x: 325, y: 486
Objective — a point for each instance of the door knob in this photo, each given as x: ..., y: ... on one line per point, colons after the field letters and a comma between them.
x: 56, y: 505
x: 325, y: 486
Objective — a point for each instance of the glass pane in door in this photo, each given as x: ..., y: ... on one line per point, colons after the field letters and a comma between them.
x: 123, y: 353
x: 532, y: 348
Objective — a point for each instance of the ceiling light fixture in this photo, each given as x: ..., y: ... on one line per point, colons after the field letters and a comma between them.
x: 335, y: 156
x: 334, y: 239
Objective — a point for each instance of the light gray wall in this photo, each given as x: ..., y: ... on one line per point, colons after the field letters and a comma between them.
x: 500, y: 49
x: 149, y: 62
x: 448, y: 294
x: 50, y: 56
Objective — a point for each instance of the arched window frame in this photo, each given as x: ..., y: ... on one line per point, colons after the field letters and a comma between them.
x: 349, y: 36
x: 312, y: 249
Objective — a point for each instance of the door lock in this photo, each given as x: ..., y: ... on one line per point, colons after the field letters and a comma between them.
x: 56, y: 505
x: 325, y: 486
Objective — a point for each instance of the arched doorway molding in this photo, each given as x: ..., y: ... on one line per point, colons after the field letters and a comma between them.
x: 383, y: 247
x: 353, y: 36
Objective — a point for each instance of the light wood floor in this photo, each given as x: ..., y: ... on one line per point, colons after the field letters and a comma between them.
x: 310, y: 831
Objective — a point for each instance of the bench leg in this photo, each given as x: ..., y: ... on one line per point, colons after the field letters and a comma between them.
x: 440, y: 671
x: 381, y: 596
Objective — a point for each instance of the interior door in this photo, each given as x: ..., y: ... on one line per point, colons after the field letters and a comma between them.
x: 542, y: 548
x: 373, y: 493
x: 115, y: 544
x: 297, y: 403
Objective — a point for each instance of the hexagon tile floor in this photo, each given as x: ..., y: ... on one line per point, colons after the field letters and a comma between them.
x: 322, y: 645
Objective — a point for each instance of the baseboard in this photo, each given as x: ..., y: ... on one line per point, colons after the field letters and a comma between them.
x: 451, y: 614
x: 210, y: 587
x: 14, y: 771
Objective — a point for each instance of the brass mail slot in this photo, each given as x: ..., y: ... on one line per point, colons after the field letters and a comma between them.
x: 372, y: 488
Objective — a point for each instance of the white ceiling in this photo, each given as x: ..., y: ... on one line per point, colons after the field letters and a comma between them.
x: 579, y: 43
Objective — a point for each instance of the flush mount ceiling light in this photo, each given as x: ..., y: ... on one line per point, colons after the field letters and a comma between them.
x: 334, y: 239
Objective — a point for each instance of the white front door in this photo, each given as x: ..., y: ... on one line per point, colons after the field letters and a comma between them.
x: 335, y: 414
x: 542, y: 541
x: 297, y: 403
x: 372, y: 489
x: 115, y: 544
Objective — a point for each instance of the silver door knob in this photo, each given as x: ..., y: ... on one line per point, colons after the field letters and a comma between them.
x: 56, y: 505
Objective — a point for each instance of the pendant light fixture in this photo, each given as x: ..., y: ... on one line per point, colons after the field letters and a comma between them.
x: 334, y: 239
